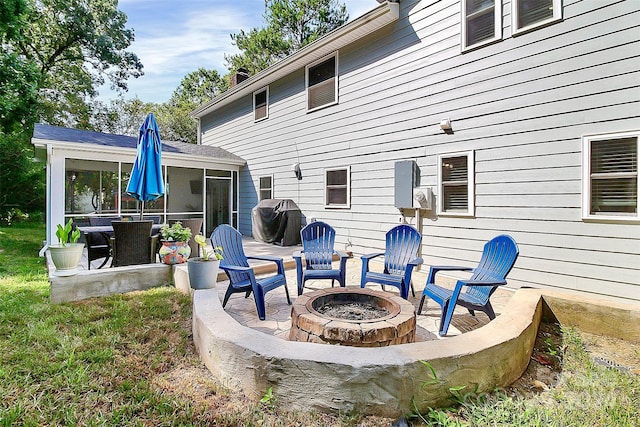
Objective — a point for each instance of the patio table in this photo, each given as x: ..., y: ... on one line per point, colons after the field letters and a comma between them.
x: 107, y: 232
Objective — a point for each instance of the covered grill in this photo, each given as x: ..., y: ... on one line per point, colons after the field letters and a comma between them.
x: 277, y: 221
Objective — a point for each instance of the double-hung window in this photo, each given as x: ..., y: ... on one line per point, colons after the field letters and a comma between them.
x: 322, y: 83
x: 481, y: 22
x: 456, y: 185
x: 337, y: 187
x: 266, y: 187
x: 610, y: 181
x: 261, y: 104
x: 529, y: 14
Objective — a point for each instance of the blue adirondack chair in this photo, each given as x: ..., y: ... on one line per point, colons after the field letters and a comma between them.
x: 498, y: 257
x: 318, y: 239
x: 241, y: 276
x: 400, y: 258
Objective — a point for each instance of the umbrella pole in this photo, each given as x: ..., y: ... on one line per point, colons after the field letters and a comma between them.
x: 141, y: 209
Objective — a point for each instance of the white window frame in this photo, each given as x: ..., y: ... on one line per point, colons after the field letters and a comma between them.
x: 586, y: 179
x: 348, y: 185
x: 470, y: 212
x: 260, y: 188
x: 557, y: 16
x: 264, y: 89
x: 497, y: 22
x: 335, y: 81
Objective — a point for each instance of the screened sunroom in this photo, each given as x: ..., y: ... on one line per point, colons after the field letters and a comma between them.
x: 88, y: 172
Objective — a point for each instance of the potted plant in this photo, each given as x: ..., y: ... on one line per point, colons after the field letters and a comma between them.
x: 175, y: 243
x: 203, y: 271
x: 67, y: 253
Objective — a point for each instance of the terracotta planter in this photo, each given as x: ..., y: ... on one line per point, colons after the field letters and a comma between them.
x: 66, y: 258
x: 174, y: 252
x: 203, y: 274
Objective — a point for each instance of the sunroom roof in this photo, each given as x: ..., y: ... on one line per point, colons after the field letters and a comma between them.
x: 44, y: 134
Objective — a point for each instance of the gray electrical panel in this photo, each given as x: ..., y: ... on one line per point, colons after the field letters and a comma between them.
x: 407, y: 177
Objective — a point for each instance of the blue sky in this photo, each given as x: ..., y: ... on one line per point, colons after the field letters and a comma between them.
x: 173, y: 38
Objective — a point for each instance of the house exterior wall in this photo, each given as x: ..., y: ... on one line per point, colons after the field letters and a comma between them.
x: 520, y: 105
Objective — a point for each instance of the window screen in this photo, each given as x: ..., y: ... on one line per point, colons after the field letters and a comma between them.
x: 321, y: 80
x: 614, y: 176
x: 337, y: 187
x: 480, y: 21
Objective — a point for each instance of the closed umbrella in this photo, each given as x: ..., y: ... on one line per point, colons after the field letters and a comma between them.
x: 145, y: 182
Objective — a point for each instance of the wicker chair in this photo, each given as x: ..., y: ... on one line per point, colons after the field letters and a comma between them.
x: 133, y: 243
x: 195, y: 224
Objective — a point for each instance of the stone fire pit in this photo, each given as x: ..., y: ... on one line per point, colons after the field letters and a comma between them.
x: 354, y: 317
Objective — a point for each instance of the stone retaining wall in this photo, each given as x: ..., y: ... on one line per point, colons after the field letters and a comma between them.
x: 381, y: 381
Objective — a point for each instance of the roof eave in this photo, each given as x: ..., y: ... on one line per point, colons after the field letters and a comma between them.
x: 371, y: 21
x: 39, y: 143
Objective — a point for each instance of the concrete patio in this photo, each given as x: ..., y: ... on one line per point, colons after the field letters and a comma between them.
x: 278, y: 322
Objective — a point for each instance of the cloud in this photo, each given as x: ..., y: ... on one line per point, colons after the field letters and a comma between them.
x: 174, y: 38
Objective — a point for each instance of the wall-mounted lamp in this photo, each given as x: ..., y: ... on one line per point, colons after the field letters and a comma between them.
x: 445, y: 125
x: 296, y: 170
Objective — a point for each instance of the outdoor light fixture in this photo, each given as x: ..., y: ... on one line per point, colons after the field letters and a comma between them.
x: 445, y: 125
x: 296, y: 170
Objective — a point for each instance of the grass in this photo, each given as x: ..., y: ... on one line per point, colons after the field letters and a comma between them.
x: 587, y: 394
x: 129, y: 360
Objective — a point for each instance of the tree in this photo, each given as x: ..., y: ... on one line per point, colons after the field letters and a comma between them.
x: 77, y: 45
x: 54, y: 54
x: 195, y: 88
x: 124, y: 117
x: 290, y: 25
x: 120, y: 116
x: 18, y: 76
x: 20, y: 178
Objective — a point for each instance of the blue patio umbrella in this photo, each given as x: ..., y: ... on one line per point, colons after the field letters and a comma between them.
x: 146, y: 182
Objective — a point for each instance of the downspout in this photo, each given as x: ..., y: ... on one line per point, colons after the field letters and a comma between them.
x: 198, y: 135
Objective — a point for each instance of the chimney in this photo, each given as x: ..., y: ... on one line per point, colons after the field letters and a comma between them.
x: 239, y: 76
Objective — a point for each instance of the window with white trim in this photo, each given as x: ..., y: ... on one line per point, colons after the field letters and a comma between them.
x: 529, y: 14
x: 481, y: 22
x: 322, y: 83
x: 456, y: 185
x: 261, y: 104
x: 337, y: 184
x: 266, y: 187
x: 611, y: 181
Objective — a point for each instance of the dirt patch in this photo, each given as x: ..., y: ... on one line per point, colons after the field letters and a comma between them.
x: 613, y: 352
x: 545, y: 366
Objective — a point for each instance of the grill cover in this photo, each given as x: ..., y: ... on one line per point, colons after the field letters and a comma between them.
x: 276, y: 221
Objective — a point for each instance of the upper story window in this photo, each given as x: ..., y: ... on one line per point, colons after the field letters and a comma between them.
x: 610, y: 181
x: 456, y: 185
x: 480, y: 22
x: 337, y: 183
x: 261, y: 104
x: 322, y: 83
x: 266, y: 187
x: 529, y: 14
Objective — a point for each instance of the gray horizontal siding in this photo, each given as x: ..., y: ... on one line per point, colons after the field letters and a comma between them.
x: 521, y: 104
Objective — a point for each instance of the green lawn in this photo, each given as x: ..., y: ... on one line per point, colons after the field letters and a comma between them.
x: 129, y: 360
